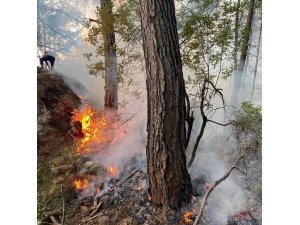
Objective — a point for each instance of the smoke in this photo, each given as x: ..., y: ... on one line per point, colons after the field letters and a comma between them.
x: 213, y: 160
x: 74, y: 67
x: 215, y: 154
x: 59, y: 24
x: 132, y: 145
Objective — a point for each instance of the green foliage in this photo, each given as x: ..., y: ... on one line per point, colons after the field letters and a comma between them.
x: 48, y: 187
x: 123, y: 20
x: 207, y: 37
x: 248, y: 122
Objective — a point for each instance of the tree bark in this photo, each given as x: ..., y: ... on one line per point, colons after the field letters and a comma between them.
x: 110, y: 55
x: 169, y: 181
x: 246, y: 40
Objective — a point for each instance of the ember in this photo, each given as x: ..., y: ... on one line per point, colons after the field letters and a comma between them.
x: 138, y: 187
x: 188, y: 215
x: 81, y: 184
x: 113, y: 171
x: 243, y: 216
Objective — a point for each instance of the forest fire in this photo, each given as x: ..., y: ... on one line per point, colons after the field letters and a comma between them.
x: 81, y: 184
x: 93, y: 128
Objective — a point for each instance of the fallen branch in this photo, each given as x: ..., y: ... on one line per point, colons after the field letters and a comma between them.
x: 54, y: 221
x: 63, y: 207
x: 86, y: 220
x: 95, y: 210
x: 131, y: 175
x: 207, y: 193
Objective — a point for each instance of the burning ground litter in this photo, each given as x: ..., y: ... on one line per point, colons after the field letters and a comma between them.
x: 101, y: 176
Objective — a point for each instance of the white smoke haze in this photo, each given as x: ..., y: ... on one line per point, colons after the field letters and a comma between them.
x: 215, y: 152
x: 215, y: 155
x: 75, y: 67
x: 213, y: 160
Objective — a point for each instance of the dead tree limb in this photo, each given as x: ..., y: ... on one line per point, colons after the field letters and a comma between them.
x: 216, y: 183
x: 203, y: 97
x: 93, y: 20
x: 95, y: 210
x: 53, y: 220
x: 221, y: 124
x: 189, y: 119
x: 129, y: 176
x: 204, y: 121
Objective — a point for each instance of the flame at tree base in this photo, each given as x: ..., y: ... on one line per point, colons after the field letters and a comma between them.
x: 94, y: 128
x: 97, y: 128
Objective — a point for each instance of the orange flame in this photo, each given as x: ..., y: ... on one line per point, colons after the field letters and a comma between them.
x: 93, y: 128
x: 81, y: 184
x: 187, y: 217
x: 113, y: 170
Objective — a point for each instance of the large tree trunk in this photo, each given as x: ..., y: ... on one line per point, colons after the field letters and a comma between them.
x: 169, y: 181
x: 110, y: 55
x: 238, y: 74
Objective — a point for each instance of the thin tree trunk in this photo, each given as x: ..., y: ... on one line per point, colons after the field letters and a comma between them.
x: 44, y: 37
x: 238, y: 74
x: 245, y: 44
x: 110, y: 55
x: 169, y: 181
x: 256, y: 64
x: 236, y: 33
x: 243, y: 94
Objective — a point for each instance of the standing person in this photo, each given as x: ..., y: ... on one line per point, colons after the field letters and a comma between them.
x: 47, y: 58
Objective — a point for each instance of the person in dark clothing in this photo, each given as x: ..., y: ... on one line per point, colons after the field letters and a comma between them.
x: 47, y: 58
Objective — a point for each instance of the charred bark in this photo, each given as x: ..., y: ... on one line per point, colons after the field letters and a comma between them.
x: 189, y: 119
x: 169, y: 181
x: 204, y: 122
x: 110, y: 55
